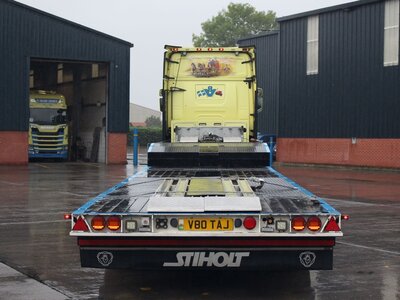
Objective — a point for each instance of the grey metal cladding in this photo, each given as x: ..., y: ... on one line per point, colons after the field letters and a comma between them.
x: 267, y: 66
x: 353, y: 94
x: 26, y: 32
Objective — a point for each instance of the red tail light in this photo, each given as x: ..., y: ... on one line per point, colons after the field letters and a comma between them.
x: 98, y: 223
x: 314, y: 223
x: 332, y: 225
x: 298, y: 223
x: 80, y: 225
x: 249, y: 223
x: 114, y: 223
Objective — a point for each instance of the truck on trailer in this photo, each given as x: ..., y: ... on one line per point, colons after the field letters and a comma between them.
x: 48, y: 128
x: 208, y: 198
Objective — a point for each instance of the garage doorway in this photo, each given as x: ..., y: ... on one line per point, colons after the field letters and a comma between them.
x: 84, y: 85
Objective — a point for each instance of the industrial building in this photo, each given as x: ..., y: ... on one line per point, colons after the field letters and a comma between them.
x: 138, y: 114
x: 331, y: 81
x: 40, y: 51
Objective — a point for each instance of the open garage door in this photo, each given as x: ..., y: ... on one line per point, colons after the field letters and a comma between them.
x: 82, y: 124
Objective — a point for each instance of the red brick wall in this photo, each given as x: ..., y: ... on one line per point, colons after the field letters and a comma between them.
x: 13, y: 147
x: 365, y: 152
x: 116, y: 148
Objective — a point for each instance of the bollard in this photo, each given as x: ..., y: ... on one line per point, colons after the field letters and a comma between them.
x: 135, y: 147
x: 271, y: 149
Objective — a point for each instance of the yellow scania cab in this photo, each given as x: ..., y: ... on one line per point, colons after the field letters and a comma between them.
x: 48, y: 128
x: 209, y: 102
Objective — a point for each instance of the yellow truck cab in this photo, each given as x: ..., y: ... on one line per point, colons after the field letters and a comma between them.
x: 48, y: 128
x: 209, y: 102
x: 210, y: 95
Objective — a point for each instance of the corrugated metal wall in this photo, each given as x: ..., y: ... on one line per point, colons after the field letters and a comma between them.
x: 267, y: 64
x: 26, y: 33
x: 353, y: 94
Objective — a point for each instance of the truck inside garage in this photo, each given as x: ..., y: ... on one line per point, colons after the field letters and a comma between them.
x: 84, y: 86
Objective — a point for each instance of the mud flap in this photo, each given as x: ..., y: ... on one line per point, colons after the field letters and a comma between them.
x: 241, y: 259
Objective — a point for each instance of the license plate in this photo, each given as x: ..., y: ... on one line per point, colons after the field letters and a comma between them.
x: 206, y: 224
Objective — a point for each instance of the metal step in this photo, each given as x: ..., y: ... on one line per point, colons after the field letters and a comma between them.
x: 224, y: 155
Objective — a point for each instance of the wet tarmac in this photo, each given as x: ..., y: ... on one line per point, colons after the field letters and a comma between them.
x: 34, y: 240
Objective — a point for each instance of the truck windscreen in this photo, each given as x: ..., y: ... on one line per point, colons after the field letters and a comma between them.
x: 47, y: 116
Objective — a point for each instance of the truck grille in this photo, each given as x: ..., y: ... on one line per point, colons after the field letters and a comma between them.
x: 47, y: 142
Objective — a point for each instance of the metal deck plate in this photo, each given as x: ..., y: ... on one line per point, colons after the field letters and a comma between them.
x: 202, y: 186
x: 203, y: 204
x: 208, y: 147
x: 208, y: 155
x: 275, y: 196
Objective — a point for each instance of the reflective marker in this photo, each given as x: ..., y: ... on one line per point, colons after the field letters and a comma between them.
x: 80, y: 225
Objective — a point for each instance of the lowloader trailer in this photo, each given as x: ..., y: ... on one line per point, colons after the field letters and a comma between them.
x: 207, y: 199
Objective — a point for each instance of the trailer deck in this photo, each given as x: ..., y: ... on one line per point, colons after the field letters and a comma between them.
x: 277, y: 194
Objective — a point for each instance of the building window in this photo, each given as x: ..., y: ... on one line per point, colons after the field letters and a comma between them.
x: 312, y: 45
x: 391, y: 36
x: 95, y: 70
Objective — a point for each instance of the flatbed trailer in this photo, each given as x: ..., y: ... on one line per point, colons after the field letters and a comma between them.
x: 169, y: 218
x: 207, y: 199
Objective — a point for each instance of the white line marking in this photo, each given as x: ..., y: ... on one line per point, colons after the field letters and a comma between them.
x: 33, y: 222
x: 11, y: 183
x: 74, y: 194
x: 358, y: 203
x: 43, y: 166
x: 369, y: 248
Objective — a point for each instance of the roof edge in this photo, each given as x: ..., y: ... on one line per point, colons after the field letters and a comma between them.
x: 74, y: 24
x: 144, y: 107
x: 270, y: 32
x: 326, y: 9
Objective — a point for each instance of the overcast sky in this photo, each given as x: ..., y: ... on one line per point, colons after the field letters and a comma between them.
x: 151, y: 24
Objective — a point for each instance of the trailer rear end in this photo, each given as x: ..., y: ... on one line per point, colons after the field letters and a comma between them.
x: 168, y: 219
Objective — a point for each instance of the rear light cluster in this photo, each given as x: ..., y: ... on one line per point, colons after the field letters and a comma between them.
x: 269, y: 224
x: 210, y: 49
x: 249, y: 223
x: 112, y: 223
x: 312, y: 224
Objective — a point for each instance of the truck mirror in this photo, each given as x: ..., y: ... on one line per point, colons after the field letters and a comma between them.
x: 260, y: 99
x: 162, y: 100
x: 162, y: 106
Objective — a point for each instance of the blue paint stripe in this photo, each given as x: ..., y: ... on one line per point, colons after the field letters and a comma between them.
x: 324, y: 204
x: 81, y: 210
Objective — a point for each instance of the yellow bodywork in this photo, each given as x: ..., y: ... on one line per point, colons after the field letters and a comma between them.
x: 209, y: 87
x: 47, y: 140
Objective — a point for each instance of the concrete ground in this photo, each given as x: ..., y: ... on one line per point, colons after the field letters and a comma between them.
x: 40, y: 259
